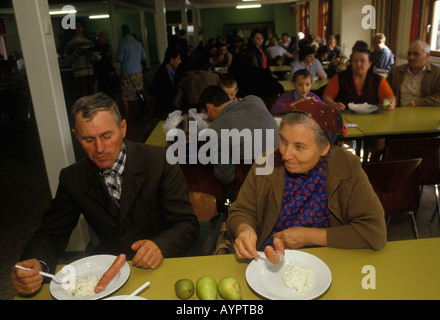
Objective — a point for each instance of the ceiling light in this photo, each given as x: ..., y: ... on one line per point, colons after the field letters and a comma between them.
x: 101, y: 16
x: 249, y: 0
x: 62, y: 12
x: 248, y: 6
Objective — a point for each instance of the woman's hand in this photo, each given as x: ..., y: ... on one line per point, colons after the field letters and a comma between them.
x: 275, y: 255
x: 245, y: 245
x: 300, y: 237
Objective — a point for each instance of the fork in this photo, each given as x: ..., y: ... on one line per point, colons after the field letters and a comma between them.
x: 40, y: 272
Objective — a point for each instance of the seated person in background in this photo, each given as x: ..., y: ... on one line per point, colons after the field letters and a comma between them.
x: 253, y: 80
x: 249, y: 114
x: 190, y: 87
x: 383, y: 58
x: 134, y: 201
x: 285, y: 40
x: 416, y: 83
x: 229, y: 85
x: 307, y: 61
x: 223, y: 58
x: 302, y: 82
x: 338, y: 206
x: 359, y: 84
x: 274, y: 50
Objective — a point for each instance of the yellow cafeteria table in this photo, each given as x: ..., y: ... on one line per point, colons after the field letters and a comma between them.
x: 396, y: 123
x: 157, y: 136
x: 402, y: 270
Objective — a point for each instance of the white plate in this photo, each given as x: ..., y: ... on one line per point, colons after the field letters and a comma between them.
x: 124, y: 296
x: 94, y: 265
x: 363, y: 108
x: 266, y: 278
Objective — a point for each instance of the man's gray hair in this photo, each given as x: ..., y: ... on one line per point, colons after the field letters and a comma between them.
x: 294, y: 118
x: 89, y: 106
x: 425, y: 46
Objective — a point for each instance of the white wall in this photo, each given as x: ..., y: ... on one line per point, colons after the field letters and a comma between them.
x: 347, y: 22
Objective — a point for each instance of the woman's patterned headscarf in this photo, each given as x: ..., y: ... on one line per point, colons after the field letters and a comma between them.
x: 328, y: 118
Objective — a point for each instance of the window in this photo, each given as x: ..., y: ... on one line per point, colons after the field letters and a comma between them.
x: 325, y: 18
x: 304, y: 18
x: 435, y: 28
x: 426, y: 24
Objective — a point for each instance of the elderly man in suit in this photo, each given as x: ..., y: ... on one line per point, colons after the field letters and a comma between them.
x: 416, y: 83
x: 135, y: 202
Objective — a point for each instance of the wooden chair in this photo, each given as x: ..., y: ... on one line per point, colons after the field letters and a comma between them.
x: 205, y: 208
x: 426, y: 148
x: 241, y: 172
x: 204, y: 205
x: 396, y: 183
x: 200, y: 178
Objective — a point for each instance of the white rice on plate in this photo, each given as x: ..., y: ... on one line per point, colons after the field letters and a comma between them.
x: 297, y: 277
x: 83, y: 286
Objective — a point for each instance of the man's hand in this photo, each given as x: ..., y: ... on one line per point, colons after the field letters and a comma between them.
x: 27, y: 282
x: 148, y: 254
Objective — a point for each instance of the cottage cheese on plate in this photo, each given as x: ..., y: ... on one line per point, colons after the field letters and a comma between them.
x: 83, y: 286
x: 297, y: 277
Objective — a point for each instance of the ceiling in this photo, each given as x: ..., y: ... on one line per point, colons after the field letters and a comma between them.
x: 87, y: 7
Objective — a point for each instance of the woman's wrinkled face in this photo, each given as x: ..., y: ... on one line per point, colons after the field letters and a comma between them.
x: 298, y: 148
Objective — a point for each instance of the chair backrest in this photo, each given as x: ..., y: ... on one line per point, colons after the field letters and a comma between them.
x: 200, y: 178
x: 396, y: 183
x: 241, y: 172
x: 426, y: 148
x: 204, y: 205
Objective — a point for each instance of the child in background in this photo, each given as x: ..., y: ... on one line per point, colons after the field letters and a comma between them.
x: 302, y: 82
x: 229, y: 85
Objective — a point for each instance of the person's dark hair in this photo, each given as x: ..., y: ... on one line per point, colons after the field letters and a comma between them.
x: 254, y: 32
x: 125, y: 30
x: 304, y: 52
x: 228, y: 82
x: 171, y: 52
x: 89, y: 106
x: 360, y: 44
x: 213, y: 94
x: 362, y: 50
x: 302, y: 73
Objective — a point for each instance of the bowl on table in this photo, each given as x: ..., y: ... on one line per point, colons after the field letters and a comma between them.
x: 363, y: 108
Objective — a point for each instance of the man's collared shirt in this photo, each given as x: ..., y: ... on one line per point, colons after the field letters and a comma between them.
x: 113, y: 175
x: 411, y: 87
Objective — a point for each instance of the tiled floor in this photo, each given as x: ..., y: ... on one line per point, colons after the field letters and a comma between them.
x: 25, y: 195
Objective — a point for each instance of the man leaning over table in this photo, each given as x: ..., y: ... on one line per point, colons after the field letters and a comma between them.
x: 226, y: 115
x: 416, y: 83
x: 135, y: 202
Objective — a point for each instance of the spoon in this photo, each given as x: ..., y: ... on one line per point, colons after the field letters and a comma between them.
x: 40, y: 272
x: 137, y: 290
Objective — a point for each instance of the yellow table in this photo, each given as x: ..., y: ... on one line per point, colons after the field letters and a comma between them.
x: 285, y: 68
x: 157, y: 136
x: 287, y: 84
x: 402, y: 270
x: 397, y: 123
x: 402, y: 120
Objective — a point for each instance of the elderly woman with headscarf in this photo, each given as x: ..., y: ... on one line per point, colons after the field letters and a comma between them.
x: 316, y: 195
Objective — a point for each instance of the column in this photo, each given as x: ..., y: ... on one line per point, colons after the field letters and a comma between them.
x: 38, y: 45
x: 161, y: 28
